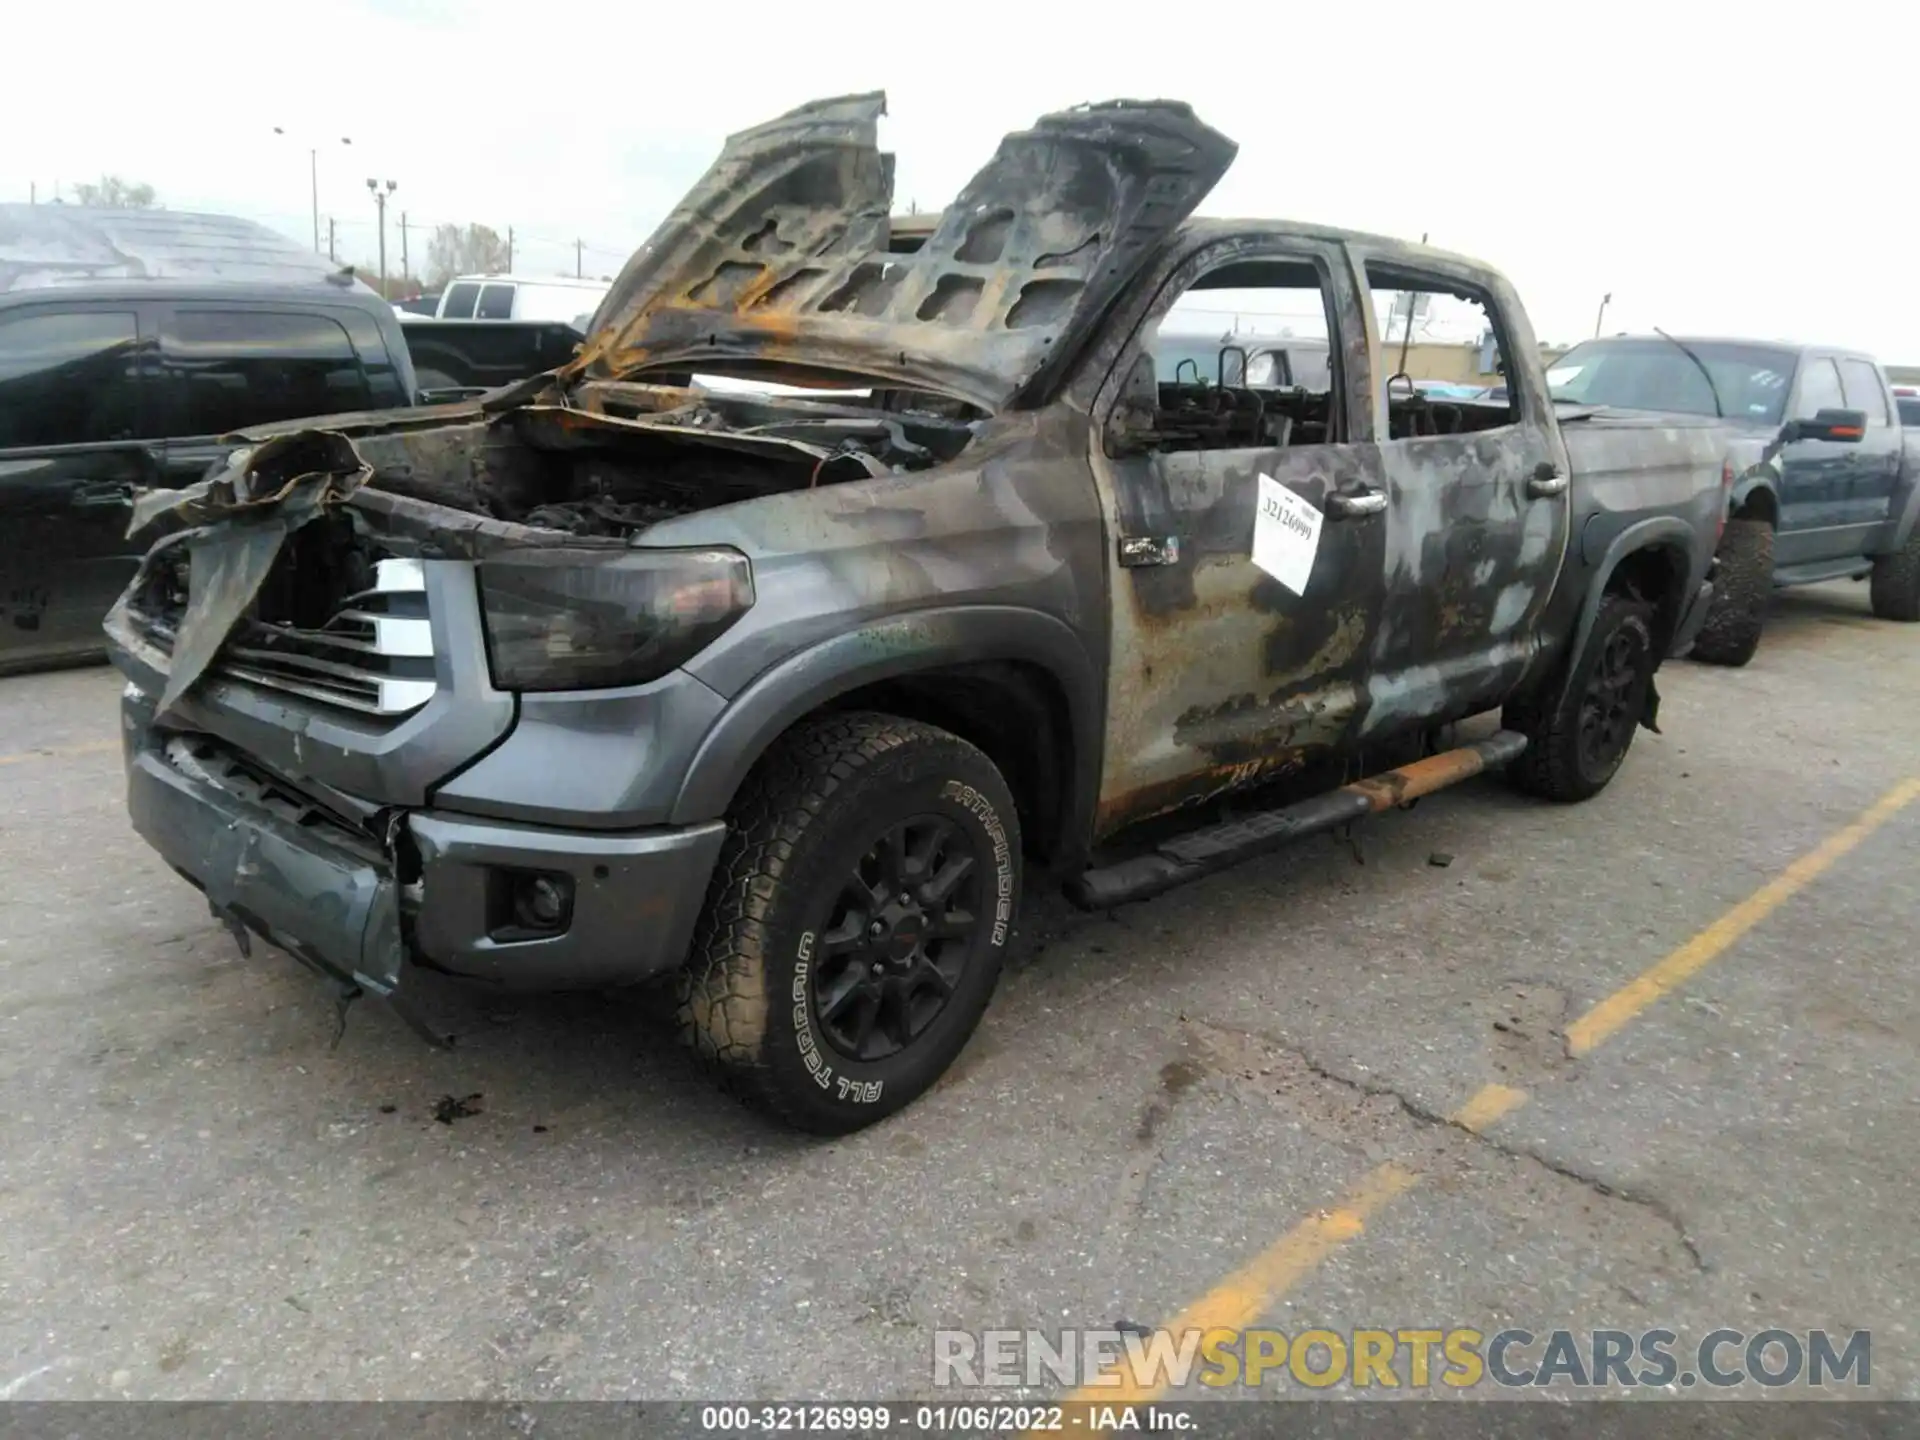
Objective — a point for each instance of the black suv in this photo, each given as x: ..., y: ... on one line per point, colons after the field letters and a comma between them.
x: 129, y: 342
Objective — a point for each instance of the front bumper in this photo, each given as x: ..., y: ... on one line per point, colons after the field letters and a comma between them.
x: 359, y: 909
x: 1691, y: 620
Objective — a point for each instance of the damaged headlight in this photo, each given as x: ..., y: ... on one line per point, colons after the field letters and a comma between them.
x: 587, y: 619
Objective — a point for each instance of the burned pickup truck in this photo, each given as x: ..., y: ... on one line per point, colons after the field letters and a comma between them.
x: 616, y: 674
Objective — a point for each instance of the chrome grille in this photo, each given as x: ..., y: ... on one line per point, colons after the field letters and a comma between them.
x: 374, y: 654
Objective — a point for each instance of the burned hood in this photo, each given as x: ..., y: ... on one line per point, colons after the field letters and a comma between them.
x: 778, y: 260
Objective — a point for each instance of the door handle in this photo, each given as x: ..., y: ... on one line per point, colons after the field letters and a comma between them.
x: 102, y: 496
x: 1351, y: 504
x: 1546, y: 480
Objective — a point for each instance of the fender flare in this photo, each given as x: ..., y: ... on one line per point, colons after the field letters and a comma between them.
x: 887, y: 649
x: 1646, y: 534
x: 1754, y: 482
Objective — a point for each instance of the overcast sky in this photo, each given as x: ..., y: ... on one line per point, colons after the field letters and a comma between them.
x: 1716, y: 166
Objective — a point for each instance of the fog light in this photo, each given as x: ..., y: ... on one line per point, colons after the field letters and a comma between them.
x: 541, y: 902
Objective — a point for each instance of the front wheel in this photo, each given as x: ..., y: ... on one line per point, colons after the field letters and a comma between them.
x: 1576, y: 747
x: 1894, y: 590
x: 1742, y: 588
x: 857, y: 920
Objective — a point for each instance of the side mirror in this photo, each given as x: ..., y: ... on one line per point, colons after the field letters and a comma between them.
x: 1846, y: 427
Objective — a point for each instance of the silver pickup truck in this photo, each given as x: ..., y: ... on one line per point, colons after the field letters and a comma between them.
x: 618, y: 673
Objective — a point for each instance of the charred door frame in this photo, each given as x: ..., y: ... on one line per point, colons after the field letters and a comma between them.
x: 1219, y: 676
x: 1473, y: 553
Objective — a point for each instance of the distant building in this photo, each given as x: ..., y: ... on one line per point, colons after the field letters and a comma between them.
x: 1462, y: 364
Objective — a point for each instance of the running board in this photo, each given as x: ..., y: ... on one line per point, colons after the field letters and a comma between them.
x: 1201, y: 852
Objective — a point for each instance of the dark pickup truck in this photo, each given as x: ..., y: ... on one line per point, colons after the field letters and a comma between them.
x: 1826, y: 485
x: 131, y: 342
x: 613, y: 676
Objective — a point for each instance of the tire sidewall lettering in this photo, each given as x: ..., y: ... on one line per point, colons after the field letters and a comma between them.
x: 835, y: 1076
x: 803, y: 1031
x: 981, y: 808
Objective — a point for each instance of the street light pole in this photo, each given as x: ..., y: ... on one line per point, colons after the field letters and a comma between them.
x: 380, y: 200
x: 313, y: 176
x: 1605, y: 300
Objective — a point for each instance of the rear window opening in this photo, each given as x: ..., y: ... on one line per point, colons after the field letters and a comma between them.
x: 1446, y: 356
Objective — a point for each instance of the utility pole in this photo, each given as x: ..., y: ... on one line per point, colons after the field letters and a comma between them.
x: 330, y: 255
x: 405, y: 268
x: 1605, y: 300
x: 33, y: 192
x: 576, y: 259
x: 313, y: 180
x: 380, y: 200
x: 509, y: 249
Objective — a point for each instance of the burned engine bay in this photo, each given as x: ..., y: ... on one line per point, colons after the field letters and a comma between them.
x: 609, y: 459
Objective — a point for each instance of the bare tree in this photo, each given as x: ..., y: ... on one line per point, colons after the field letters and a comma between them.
x: 114, y: 193
x: 463, y: 250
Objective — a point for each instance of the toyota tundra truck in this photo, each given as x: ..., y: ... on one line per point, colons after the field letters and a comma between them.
x: 787, y: 686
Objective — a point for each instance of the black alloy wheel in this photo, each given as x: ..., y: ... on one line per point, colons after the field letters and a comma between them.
x: 1615, y: 697
x: 1580, y: 727
x: 896, y: 938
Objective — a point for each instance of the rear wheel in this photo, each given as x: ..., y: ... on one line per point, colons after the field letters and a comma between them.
x: 1576, y: 747
x: 1895, y: 587
x: 1742, y: 586
x: 857, y: 920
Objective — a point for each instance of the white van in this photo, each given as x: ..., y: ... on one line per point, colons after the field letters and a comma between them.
x: 519, y: 297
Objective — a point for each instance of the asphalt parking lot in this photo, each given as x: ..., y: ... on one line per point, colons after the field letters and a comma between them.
x: 1308, y: 1093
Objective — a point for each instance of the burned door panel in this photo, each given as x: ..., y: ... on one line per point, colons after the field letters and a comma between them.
x: 1222, y: 676
x: 1477, y: 517
x: 1471, y: 559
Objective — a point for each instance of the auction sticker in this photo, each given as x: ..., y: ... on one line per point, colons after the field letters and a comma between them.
x: 1286, y: 535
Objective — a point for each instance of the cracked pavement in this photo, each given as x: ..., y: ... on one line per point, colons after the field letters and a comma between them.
x: 199, y: 1199
x: 1427, y: 1116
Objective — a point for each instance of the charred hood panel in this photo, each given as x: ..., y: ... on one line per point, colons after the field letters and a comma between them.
x: 779, y: 255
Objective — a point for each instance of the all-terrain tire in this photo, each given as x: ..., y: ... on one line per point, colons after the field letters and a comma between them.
x: 805, y: 821
x: 1560, y: 762
x: 1742, y: 588
x: 1894, y: 589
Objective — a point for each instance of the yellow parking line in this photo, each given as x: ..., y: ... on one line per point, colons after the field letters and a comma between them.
x: 1244, y: 1296
x: 54, y: 752
x: 1488, y: 1105
x: 1252, y: 1290
x: 1628, y: 1001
